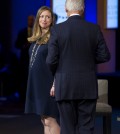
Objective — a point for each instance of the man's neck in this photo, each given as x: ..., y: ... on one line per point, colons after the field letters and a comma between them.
x: 71, y: 13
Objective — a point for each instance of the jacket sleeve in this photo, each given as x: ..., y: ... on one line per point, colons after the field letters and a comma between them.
x: 53, y: 55
x: 102, y: 51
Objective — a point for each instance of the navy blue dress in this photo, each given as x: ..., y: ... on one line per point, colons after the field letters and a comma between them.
x: 40, y: 79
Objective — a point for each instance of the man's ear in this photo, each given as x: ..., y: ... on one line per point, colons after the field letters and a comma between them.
x: 66, y: 10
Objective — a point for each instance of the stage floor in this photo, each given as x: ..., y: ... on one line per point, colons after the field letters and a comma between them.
x: 14, y: 121
x: 30, y: 124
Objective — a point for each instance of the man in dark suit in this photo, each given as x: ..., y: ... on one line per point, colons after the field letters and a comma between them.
x: 23, y: 45
x: 74, y: 49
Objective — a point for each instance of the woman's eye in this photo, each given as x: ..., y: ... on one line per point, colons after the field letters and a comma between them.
x: 47, y: 17
x: 41, y: 16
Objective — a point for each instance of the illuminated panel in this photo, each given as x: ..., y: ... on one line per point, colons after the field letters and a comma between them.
x: 111, y: 17
x: 58, y: 7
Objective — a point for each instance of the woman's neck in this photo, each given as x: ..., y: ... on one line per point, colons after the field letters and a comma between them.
x: 44, y: 31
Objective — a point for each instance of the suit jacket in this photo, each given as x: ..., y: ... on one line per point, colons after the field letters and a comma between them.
x: 74, y: 49
x: 23, y: 44
x: 21, y: 40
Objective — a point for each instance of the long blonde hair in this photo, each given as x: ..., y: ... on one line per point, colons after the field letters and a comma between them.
x: 37, y: 33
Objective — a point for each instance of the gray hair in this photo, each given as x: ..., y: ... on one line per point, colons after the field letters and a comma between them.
x: 74, y: 5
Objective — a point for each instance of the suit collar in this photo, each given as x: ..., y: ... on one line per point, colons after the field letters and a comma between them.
x: 74, y: 14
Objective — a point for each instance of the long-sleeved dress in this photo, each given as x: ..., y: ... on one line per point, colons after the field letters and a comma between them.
x: 40, y: 80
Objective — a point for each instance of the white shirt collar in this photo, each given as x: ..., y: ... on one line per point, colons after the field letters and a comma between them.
x: 74, y: 14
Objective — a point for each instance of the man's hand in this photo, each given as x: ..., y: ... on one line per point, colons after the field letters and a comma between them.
x: 52, y: 91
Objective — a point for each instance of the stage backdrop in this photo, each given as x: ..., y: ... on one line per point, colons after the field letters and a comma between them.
x: 20, y: 9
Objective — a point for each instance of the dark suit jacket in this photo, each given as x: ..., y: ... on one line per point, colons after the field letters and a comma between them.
x: 21, y: 40
x: 23, y: 44
x: 74, y: 49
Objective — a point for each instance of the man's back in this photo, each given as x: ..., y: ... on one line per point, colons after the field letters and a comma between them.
x: 77, y: 42
x: 81, y: 45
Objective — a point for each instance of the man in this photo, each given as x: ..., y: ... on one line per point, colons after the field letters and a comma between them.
x: 74, y: 49
x: 21, y: 41
x: 23, y: 45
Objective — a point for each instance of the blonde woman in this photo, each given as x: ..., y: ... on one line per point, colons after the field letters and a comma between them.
x: 40, y: 79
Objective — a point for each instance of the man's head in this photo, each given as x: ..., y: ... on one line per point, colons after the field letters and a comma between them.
x: 31, y: 20
x: 74, y: 6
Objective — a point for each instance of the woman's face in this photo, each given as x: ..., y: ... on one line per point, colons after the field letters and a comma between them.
x: 45, y: 19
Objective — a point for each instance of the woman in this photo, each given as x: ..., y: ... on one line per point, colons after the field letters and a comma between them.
x: 40, y: 79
